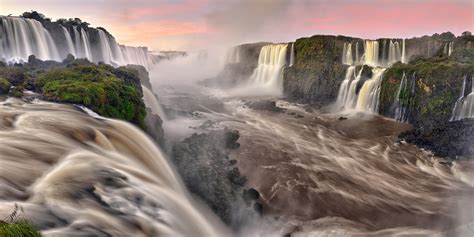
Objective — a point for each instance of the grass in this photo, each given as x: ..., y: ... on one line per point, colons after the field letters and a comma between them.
x: 13, y: 227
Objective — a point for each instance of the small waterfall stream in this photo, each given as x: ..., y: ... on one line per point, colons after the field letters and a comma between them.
x: 464, y: 107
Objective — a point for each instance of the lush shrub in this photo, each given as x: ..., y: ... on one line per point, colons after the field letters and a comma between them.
x: 110, y: 92
x: 18, y: 228
x: 4, y: 86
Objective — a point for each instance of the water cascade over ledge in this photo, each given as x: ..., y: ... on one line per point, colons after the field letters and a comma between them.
x: 379, y: 59
x: 464, y: 107
x: 269, y: 73
x: 76, y: 175
x: 21, y: 37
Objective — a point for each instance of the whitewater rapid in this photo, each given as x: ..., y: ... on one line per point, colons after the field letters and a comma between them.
x: 325, y: 176
x: 73, y: 174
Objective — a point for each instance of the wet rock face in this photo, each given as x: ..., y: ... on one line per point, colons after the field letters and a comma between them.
x: 266, y: 105
x: 318, y: 72
x: 202, y: 161
x: 449, y: 139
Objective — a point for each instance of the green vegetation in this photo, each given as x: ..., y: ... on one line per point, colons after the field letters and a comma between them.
x: 20, y: 228
x: 110, y: 92
x: 438, y: 84
x: 4, y: 86
x: 13, y: 227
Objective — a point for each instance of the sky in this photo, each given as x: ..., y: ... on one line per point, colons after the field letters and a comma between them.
x: 200, y: 24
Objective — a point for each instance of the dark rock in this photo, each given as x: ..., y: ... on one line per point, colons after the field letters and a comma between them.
x: 258, y: 208
x: 203, y: 163
x: 266, y: 105
x: 250, y: 195
x: 342, y: 118
x: 448, y: 139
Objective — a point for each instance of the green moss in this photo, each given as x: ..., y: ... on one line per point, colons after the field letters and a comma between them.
x: 439, y: 81
x: 4, y: 86
x: 109, y: 92
x: 18, y: 228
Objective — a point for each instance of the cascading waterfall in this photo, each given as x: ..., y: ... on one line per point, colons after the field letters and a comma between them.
x: 86, y: 45
x: 70, y: 44
x: 371, y: 55
x: 22, y: 37
x: 448, y: 48
x: 292, y: 55
x: 347, y: 54
x: 404, y: 57
x: 107, y: 54
x: 75, y: 175
x: 405, y: 92
x: 464, y: 106
x: 269, y: 72
x: 367, y: 98
x: 152, y: 102
x: 233, y: 56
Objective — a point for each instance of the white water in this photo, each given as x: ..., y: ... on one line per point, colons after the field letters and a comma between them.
x: 22, y: 37
x: 234, y: 55
x: 292, y: 55
x: 152, y: 102
x: 464, y: 107
x: 75, y: 175
x: 400, y: 110
x: 367, y: 99
x: 269, y: 73
x: 70, y: 44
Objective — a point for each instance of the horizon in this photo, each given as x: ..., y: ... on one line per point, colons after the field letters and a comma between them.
x: 185, y: 25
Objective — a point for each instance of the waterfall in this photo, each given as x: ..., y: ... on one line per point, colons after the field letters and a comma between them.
x: 450, y: 48
x: 464, y: 106
x: 394, y: 53
x: 403, y: 101
x: 357, y: 58
x: 269, y: 72
x: 368, y: 98
x: 404, y: 57
x: 371, y: 55
x: 347, y: 54
x: 20, y: 38
x: 70, y: 45
x: 106, y: 51
x: 233, y: 56
x: 86, y: 45
x: 152, y: 102
x: 75, y: 175
x: 292, y: 55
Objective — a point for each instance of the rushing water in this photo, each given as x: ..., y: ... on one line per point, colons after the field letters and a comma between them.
x: 76, y: 175
x: 334, y: 177
x: 379, y: 59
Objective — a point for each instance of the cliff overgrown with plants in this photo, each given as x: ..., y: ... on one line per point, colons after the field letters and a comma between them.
x: 111, y: 92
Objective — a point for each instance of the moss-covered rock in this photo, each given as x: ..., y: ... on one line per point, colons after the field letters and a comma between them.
x: 317, y: 72
x: 110, y: 92
x: 438, y: 84
x: 4, y: 86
